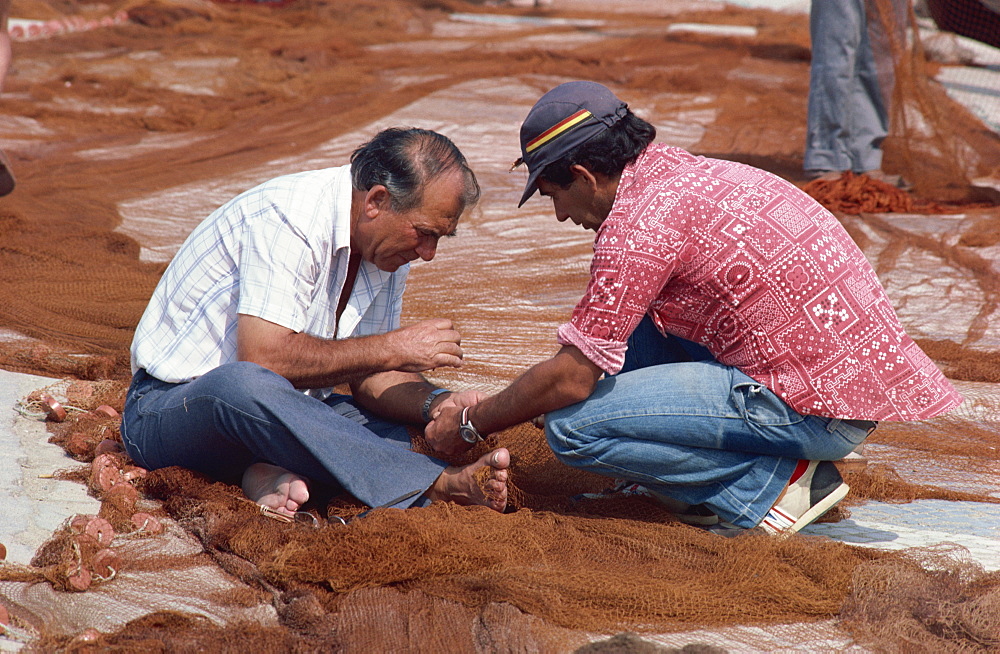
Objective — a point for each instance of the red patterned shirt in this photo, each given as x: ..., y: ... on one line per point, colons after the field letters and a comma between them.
x: 748, y: 265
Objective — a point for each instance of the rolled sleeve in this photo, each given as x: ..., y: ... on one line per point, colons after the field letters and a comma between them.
x: 609, y: 356
x: 624, y: 284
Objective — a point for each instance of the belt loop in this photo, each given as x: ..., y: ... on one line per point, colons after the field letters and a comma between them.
x: 833, y: 424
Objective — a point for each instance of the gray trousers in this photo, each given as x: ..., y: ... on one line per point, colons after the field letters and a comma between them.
x: 240, y: 414
x: 847, y: 114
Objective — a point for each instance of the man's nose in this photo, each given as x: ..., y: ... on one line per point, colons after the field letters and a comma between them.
x: 426, y: 249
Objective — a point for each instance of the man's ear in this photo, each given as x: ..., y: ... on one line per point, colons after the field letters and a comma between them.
x: 377, y: 200
x: 581, y: 172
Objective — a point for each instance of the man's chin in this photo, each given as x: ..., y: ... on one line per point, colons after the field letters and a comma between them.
x: 390, y: 266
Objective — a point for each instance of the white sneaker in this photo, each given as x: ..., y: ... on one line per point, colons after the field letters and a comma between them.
x: 806, y: 499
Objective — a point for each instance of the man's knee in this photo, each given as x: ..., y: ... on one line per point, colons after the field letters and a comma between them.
x: 558, y: 433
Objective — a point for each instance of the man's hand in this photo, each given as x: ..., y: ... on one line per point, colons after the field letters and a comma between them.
x: 426, y: 345
x: 457, y: 399
x: 442, y: 432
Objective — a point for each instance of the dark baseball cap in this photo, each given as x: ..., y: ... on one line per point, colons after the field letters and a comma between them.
x: 568, y: 115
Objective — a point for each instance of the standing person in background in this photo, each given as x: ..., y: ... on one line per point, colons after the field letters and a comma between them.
x: 6, y: 176
x: 744, y: 339
x: 850, y: 87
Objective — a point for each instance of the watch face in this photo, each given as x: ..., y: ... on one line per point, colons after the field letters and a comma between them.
x: 468, y: 435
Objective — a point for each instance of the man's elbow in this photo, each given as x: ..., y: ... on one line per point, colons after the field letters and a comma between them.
x: 576, y: 388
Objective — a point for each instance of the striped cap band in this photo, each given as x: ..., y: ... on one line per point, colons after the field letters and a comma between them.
x: 557, y: 130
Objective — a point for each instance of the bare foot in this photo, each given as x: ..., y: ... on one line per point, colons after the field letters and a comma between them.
x: 474, y: 483
x: 276, y: 488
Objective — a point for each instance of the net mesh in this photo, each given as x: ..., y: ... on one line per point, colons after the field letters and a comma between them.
x: 192, y: 562
x: 934, y: 142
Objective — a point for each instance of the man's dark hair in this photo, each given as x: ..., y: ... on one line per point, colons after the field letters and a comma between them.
x: 405, y: 160
x: 607, y: 153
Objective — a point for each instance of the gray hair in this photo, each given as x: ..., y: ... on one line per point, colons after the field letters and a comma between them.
x: 404, y: 161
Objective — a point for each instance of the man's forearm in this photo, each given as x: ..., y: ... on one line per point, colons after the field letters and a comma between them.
x: 396, y: 396
x: 565, y: 379
x: 310, y: 362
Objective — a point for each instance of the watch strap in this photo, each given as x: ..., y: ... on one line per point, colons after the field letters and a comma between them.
x: 425, y: 410
x: 466, y: 427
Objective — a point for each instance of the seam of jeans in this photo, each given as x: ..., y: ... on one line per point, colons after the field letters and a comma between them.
x: 573, y: 426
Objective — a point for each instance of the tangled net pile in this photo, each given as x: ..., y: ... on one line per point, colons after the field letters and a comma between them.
x: 175, y: 561
x: 450, y: 578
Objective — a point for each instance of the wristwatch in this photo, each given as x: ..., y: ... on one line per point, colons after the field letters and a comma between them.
x: 467, y: 430
x: 425, y: 410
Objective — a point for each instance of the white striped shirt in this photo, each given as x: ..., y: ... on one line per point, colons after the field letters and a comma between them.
x: 279, y: 252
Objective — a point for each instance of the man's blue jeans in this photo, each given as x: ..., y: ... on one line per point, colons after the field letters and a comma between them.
x: 694, y: 430
x: 240, y: 414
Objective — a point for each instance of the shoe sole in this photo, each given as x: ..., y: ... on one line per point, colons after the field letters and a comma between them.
x: 817, y: 510
x: 681, y: 511
x: 696, y: 520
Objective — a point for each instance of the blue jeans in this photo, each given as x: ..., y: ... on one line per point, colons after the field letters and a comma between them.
x: 695, y: 430
x: 847, y: 117
x: 240, y: 414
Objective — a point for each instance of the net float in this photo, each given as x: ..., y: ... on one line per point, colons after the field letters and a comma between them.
x: 147, y: 523
x: 109, y: 446
x: 79, y: 579
x: 106, y: 411
x: 86, y: 637
x: 78, y: 444
x: 123, y: 495
x: 78, y: 524
x: 104, y: 460
x: 109, y: 477
x: 134, y: 472
x: 100, y: 530
x: 105, y: 564
x: 53, y: 410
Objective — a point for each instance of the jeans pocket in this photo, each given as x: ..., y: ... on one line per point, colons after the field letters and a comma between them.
x: 761, y: 406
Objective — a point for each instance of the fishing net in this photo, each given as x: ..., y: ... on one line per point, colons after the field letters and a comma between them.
x: 123, y: 138
x: 946, y: 154
x: 934, y: 141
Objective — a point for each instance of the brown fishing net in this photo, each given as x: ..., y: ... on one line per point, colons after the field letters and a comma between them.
x: 934, y: 142
x: 123, y: 138
x: 948, y: 158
